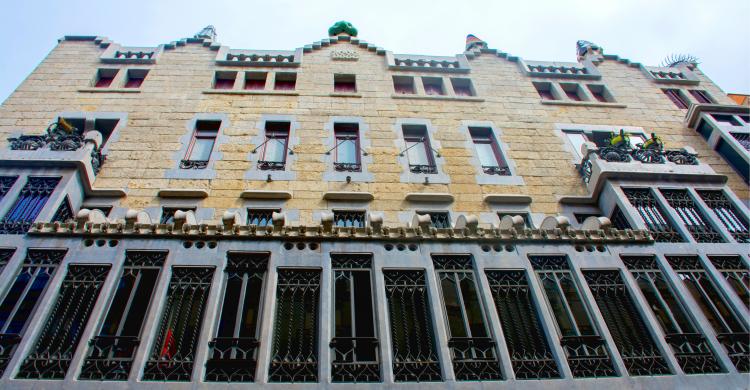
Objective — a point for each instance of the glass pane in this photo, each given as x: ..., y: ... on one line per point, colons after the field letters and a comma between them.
x: 739, y: 287
x: 674, y: 306
x: 141, y: 301
x: 363, y: 314
x: 29, y: 301
x: 417, y: 153
x: 657, y: 308
x: 275, y: 150
x: 726, y: 313
x: 564, y: 321
x: 473, y: 308
x: 343, y: 303
x: 117, y: 308
x: 452, y: 306
x: 486, y: 154
x: 229, y: 308
x: 202, y: 149
x: 576, y: 139
x: 252, y: 305
x: 346, y: 152
x: 13, y: 296
x: 707, y: 310
x: 577, y: 308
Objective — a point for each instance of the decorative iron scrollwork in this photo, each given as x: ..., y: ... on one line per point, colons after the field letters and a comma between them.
x: 347, y: 167
x: 474, y: 358
x: 738, y: 348
x: 110, y: 358
x: 231, y: 359
x: 420, y: 168
x: 193, y: 164
x: 651, y: 212
x: 729, y: 216
x: 6, y: 182
x: 495, y: 170
x: 351, y: 260
x: 649, y: 156
x: 5, y: 255
x: 452, y: 262
x: 345, y: 367
x: 681, y: 157
x: 271, y: 165
x: 693, y: 353
x: 692, y: 216
x: 27, y: 142
x: 587, y: 356
x: 29, y: 203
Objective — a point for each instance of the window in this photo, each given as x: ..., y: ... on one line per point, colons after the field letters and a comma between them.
x: 403, y: 85
x: 104, y: 77
x: 730, y: 217
x: 255, y: 81
x: 135, y: 78
x: 736, y: 273
x: 354, y: 346
x: 5, y: 255
x: 65, y: 323
x: 743, y: 139
x: 734, y: 158
x: 572, y: 91
x: 285, y: 81
x: 488, y: 151
x: 600, y: 93
x: 745, y: 118
x: 418, y: 149
x: 64, y: 212
x: 581, y: 217
x: 524, y: 215
x: 439, y: 219
x: 692, y: 216
x: 345, y: 83
x: 6, y: 182
x: 349, y: 218
x: 167, y: 213
x: 347, y: 148
x: 201, y: 145
x: 725, y: 119
x: 28, y: 205
x: 462, y: 87
x: 261, y: 217
x: 104, y: 126
x: 676, y: 97
x: 545, y: 90
x: 584, y: 348
x: 652, y: 215
x: 120, y: 333
x: 232, y: 353
x: 433, y: 85
x: 618, y: 219
x: 224, y: 80
x: 275, y: 146
x: 472, y: 347
x: 701, y: 96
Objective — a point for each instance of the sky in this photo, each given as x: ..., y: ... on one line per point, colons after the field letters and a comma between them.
x: 644, y: 31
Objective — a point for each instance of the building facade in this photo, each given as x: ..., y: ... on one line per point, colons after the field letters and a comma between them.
x: 204, y: 216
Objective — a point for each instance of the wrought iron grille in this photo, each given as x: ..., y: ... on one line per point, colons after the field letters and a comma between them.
x: 732, y: 218
x: 743, y: 139
x: 628, y: 329
x: 349, y: 218
x: 415, y: 357
x: 261, y: 217
x: 618, y: 219
x: 5, y: 255
x: 347, y: 167
x: 354, y: 347
x: 530, y: 354
x: 112, y: 351
x: 173, y: 354
x: 423, y: 168
x: 730, y: 330
x: 691, y: 216
x: 54, y: 349
x: 193, y: 164
x: 472, y: 347
x: 20, y: 302
x: 688, y: 345
x: 294, y: 356
x: 736, y: 273
x: 64, y: 212
x: 584, y: 348
x: 653, y: 216
x: 6, y: 182
x: 271, y: 165
x: 496, y: 170
x: 28, y: 205
x: 232, y: 355
x: 439, y: 219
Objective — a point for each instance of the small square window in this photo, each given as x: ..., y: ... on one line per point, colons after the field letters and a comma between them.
x: 135, y: 78
x: 463, y: 87
x: 572, y: 91
x: 676, y: 97
x: 224, y: 80
x: 345, y: 83
x: 104, y: 77
x: 544, y: 89
x: 439, y: 219
x: 167, y: 213
x: 349, y: 218
x: 701, y: 96
x: 261, y: 217
x: 433, y: 85
x: 285, y: 81
x: 255, y: 81
x: 525, y: 216
x: 403, y: 85
x: 726, y: 119
x: 600, y: 93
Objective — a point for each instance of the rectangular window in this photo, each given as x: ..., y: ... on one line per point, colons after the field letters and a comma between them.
x: 104, y: 77
x: 112, y: 351
x: 224, y: 80
x: 462, y: 87
x: 285, y: 81
x: 725, y: 119
x: 202, y: 144
x: 687, y: 342
x: 545, y: 90
x: 439, y: 219
x: 28, y: 205
x: 294, y: 351
x: 572, y: 91
x: 576, y: 139
x: 618, y: 219
x: 652, y: 215
x: 404, y: 85
x: 135, y: 78
x: 51, y: 355
x: 275, y: 146
x: 470, y: 342
x: 743, y: 139
x: 488, y: 151
x: 167, y: 214
x: 173, y: 354
x: 354, y: 346
x: 6, y: 182
x: 629, y: 331
x: 103, y: 126
x: 701, y: 96
x: 23, y: 295
x: 255, y: 81
x: 734, y: 158
x: 64, y: 212
x: 524, y: 215
x: 5, y: 255
x: 730, y: 216
x: 415, y: 356
x: 433, y: 85
x: 676, y: 97
x: 584, y: 347
x: 261, y: 217
x: 232, y: 354
x: 345, y: 83
x: 600, y: 93
x: 418, y: 149
x: 692, y: 216
x: 349, y: 218
x: 736, y: 273
x: 347, y: 149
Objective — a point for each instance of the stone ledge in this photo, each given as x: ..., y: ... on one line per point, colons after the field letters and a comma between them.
x: 582, y: 104
x: 348, y: 195
x: 110, y: 90
x: 507, y: 198
x: 429, y: 197
x: 438, y: 97
x: 248, y: 92
x: 265, y: 194
x: 344, y: 94
x: 183, y: 193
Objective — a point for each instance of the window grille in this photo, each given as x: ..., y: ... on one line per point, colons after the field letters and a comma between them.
x: 692, y: 216
x: 349, y: 218
x: 618, y: 219
x: 653, y: 216
x: 173, y: 353
x: 530, y: 354
x: 472, y: 347
x: 294, y: 356
x: 232, y: 355
x: 6, y: 183
x: 585, y: 349
x: 28, y: 205
x: 743, y: 139
x: 736, y: 273
x: 688, y: 343
x: 19, y: 303
x: 112, y: 351
x: 439, y: 219
x: 415, y: 357
x: 53, y: 351
x: 729, y: 216
x: 5, y: 255
x: 64, y: 212
x: 261, y: 217
x: 354, y: 347
x: 628, y: 329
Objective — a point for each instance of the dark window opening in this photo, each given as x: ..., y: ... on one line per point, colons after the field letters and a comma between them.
x: 30, y: 202
x: 345, y: 83
x: 439, y: 219
x: 261, y: 217
x: 255, y: 81
x: 6, y: 182
x: 600, y: 93
x: 285, y: 81
x: 572, y: 91
x: 701, y: 96
x: 224, y: 80
x: 704, y: 129
x: 5, y: 255
x: 135, y: 78
x: 545, y: 91
x: 618, y: 219
x: 64, y: 212
x: 743, y: 139
x: 676, y: 98
x: 736, y: 273
x: 201, y: 144
x: 734, y: 158
x: 581, y: 217
x: 404, y: 85
x: 104, y: 77
x: 462, y: 87
x: 725, y: 119
x: 433, y: 85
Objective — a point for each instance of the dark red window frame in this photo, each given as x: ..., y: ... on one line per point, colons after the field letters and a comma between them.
x: 488, y: 138
x: 409, y: 136
x: 271, y: 135
x: 347, y: 131
x: 676, y: 98
x: 202, y: 134
x: 221, y: 82
x: 700, y: 95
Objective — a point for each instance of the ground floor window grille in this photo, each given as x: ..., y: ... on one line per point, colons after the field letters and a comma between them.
x: 652, y: 214
x: 736, y: 273
x: 530, y: 354
x: 688, y: 344
x: 28, y: 205
x: 51, y: 355
x: 691, y: 216
x: 294, y: 353
x: 112, y: 351
x: 415, y: 357
x: 173, y: 354
x: 628, y: 329
x: 729, y: 216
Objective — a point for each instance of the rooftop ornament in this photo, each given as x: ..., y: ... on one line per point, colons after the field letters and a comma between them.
x: 208, y: 32
x: 675, y: 60
x: 473, y: 42
x: 342, y: 27
x: 584, y: 48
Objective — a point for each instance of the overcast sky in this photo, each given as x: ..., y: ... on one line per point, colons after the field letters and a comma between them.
x: 645, y: 31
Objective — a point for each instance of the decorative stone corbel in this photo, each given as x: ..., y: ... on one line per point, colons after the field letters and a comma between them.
x: 326, y: 220
x: 133, y: 217
x: 93, y: 137
x: 230, y: 219
x: 513, y: 223
x: 278, y: 220
x: 468, y: 223
x: 422, y: 221
x: 182, y: 218
x: 376, y: 222
x: 597, y: 223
